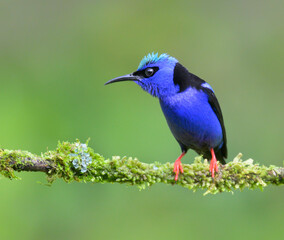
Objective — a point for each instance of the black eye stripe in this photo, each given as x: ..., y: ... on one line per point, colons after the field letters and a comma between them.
x: 143, y: 74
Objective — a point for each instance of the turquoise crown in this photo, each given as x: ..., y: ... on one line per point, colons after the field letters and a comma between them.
x: 152, y: 58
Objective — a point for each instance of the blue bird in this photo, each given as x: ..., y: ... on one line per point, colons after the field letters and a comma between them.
x: 189, y: 104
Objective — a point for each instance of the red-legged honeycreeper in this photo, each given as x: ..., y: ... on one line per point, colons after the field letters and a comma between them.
x: 189, y: 105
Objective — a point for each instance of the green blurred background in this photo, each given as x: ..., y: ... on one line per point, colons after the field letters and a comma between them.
x: 55, y: 58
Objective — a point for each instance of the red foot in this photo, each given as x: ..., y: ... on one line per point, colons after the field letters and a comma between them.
x: 213, y: 164
x: 177, y: 166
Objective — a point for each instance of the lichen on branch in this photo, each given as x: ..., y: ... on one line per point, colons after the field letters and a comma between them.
x: 79, y: 162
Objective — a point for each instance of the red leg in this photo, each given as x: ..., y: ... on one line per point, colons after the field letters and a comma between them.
x: 177, y: 166
x: 213, y: 164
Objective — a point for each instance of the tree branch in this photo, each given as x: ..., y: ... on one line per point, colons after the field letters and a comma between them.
x: 78, y: 162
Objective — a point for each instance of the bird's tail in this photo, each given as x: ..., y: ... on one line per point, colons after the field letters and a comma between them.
x: 220, y: 156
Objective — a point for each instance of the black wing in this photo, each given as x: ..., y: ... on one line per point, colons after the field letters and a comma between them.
x: 217, y: 110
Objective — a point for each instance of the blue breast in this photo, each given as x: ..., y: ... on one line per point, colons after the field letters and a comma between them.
x: 192, y: 120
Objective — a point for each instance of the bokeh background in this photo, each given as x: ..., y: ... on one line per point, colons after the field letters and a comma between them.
x: 55, y: 57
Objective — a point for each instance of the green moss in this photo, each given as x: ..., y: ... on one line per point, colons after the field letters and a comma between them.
x: 9, y: 159
x: 237, y: 174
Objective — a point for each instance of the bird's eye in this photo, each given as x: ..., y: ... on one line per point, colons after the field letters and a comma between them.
x: 149, y: 72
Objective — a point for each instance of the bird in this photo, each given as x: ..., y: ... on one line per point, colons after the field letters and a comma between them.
x: 189, y: 104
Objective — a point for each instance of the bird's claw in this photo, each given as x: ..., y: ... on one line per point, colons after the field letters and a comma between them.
x: 177, y: 168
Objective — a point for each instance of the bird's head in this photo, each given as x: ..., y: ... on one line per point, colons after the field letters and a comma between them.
x: 155, y: 74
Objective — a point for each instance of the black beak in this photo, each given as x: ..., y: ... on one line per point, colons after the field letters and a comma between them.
x: 128, y: 77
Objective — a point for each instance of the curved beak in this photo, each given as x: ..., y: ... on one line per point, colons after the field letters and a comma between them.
x: 128, y: 77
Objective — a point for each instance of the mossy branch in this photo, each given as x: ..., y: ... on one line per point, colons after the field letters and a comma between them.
x: 78, y: 162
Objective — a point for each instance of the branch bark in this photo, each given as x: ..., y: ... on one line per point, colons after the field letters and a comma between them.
x: 78, y: 162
